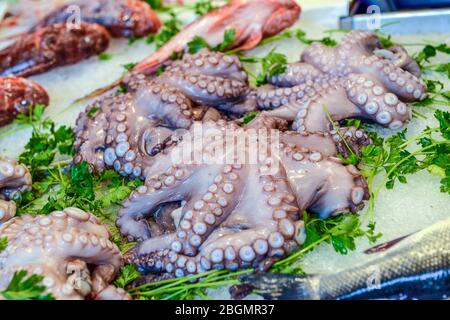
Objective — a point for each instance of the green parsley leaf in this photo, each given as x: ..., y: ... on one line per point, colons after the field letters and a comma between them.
x: 127, y: 275
x: 196, y: 44
x: 229, y: 37
x: 249, y: 117
x: 104, y: 56
x: 91, y: 113
x: 129, y: 66
x: 22, y: 287
x: 3, y: 243
x: 202, y: 7
x: 272, y: 64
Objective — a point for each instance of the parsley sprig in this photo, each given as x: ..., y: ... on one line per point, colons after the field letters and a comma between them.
x: 198, y: 42
x: 46, y: 143
x: 340, y: 232
x: 3, y: 243
x: 393, y: 157
x: 22, y: 287
x: 170, y: 28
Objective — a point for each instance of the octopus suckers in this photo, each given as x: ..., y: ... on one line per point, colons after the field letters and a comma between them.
x: 247, y: 254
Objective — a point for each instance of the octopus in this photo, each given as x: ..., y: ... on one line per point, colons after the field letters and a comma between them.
x: 52, y: 46
x: 14, y: 178
x: 357, y: 79
x: 17, y: 95
x: 122, y: 18
x: 69, y: 248
x: 127, y: 130
x: 236, y: 212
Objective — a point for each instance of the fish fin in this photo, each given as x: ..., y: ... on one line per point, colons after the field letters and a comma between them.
x: 385, y: 246
x: 13, y: 36
x: 98, y: 92
x: 251, y: 42
x: 272, y: 286
x: 225, y: 14
x: 148, y: 66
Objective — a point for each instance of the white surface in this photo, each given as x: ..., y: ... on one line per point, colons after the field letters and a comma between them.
x: 405, y: 209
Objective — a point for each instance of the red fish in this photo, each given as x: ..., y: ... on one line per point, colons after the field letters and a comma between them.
x: 252, y: 20
x: 17, y: 95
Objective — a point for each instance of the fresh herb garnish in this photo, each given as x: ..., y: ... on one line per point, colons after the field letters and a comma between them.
x: 299, y: 35
x: 327, y: 41
x: 127, y: 275
x: 155, y: 4
x: 202, y: 7
x: 249, y: 117
x: 170, y: 28
x: 3, y: 243
x: 197, y: 43
x: 272, y: 64
x: 187, y: 288
x: 229, y: 37
x: 104, y: 56
x: 22, y: 287
x: 129, y: 66
x: 340, y: 232
x: 45, y: 144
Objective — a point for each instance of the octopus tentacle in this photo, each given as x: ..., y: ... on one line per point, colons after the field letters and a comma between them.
x: 210, y: 78
x: 14, y: 178
x: 130, y: 128
x: 70, y: 248
x: 211, y: 63
x: 363, y: 77
x: 239, y: 215
x: 296, y: 73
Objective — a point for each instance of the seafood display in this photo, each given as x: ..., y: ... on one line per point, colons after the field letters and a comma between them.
x: 397, y: 273
x: 17, y: 95
x: 204, y: 157
x: 359, y: 78
x: 51, y: 47
x: 269, y: 17
x: 130, y: 128
x: 70, y: 248
x: 122, y: 18
x: 14, y: 178
x: 237, y: 215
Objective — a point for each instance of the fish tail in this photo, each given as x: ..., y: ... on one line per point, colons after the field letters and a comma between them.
x: 98, y: 92
x: 13, y: 36
x: 284, y: 286
x: 148, y: 66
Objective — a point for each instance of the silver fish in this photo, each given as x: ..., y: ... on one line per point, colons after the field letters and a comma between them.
x: 417, y: 267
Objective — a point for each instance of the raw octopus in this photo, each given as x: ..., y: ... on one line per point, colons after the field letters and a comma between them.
x: 69, y: 248
x: 17, y: 95
x: 122, y: 18
x: 268, y: 17
x: 52, y: 46
x: 236, y: 213
x: 14, y: 178
x: 358, y: 79
x: 125, y: 131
